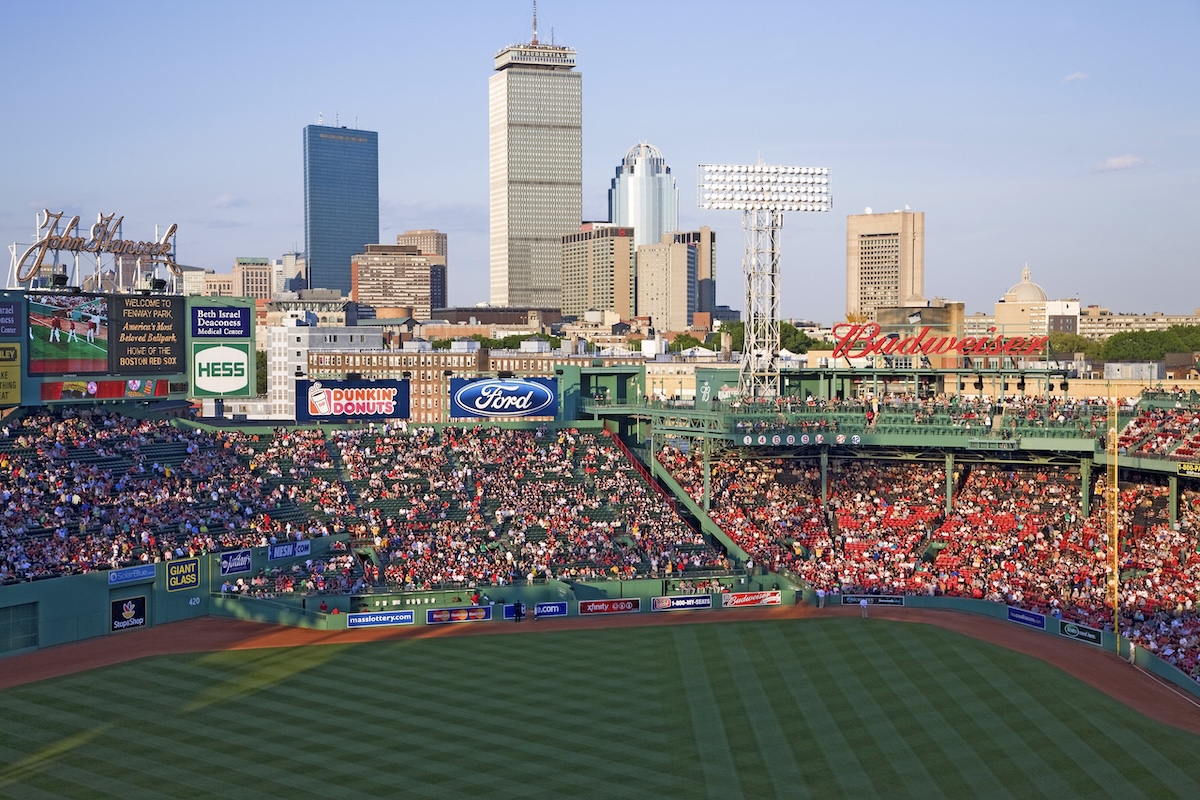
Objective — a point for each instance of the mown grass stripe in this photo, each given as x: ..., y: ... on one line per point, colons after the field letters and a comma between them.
x: 757, y: 687
x: 703, y: 716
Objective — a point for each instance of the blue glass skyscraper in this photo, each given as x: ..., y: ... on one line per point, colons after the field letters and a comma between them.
x: 643, y: 195
x: 341, y: 201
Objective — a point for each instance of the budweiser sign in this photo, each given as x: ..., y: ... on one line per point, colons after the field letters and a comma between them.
x: 857, y: 340
x: 743, y: 599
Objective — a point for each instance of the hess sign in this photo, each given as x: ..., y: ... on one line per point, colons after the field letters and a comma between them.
x: 513, y: 397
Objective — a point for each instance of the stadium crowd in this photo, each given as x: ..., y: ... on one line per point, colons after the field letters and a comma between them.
x: 87, y: 489
x: 1013, y: 535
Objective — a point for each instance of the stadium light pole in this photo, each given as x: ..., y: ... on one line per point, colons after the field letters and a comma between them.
x: 762, y: 192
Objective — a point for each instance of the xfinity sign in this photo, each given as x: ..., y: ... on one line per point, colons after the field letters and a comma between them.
x: 221, y: 370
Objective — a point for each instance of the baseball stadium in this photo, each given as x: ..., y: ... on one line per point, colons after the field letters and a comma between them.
x: 841, y: 594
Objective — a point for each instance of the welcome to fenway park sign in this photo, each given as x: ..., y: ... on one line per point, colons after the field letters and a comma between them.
x: 858, y: 340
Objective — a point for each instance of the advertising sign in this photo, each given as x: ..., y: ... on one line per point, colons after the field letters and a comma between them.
x: 338, y: 401
x: 10, y: 319
x: 1030, y: 618
x: 555, y: 609
x: 503, y: 397
x: 148, y: 334
x: 104, y: 390
x: 289, y: 550
x: 221, y: 370
x: 235, y: 562
x: 873, y: 599
x: 744, y: 599
x: 10, y: 374
x: 441, y: 616
x: 1073, y: 630
x: 221, y: 322
x: 683, y: 602
x: 379, y: 619
x: 142, y: 572
x: 128, y: 613
x: 68, y: 333
x: 1190, y: 469
x: 631, y: 605
x: 183, y: 574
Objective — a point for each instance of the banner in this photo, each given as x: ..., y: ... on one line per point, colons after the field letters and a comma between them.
x: 10, y: 373
x: 289, y: 550
x: 235, y: 562
x: 339, y: 401
x: 221, y: 370
x: 441, y: 616
x: 183, y: 574
x: 148, y: 334
x: 503, y: 397
x: 743, y: 599
x: 371, y: 619
x: 873, y: 599
x: 142, y: 572
x: 683, y: 602
x: 11, y: 318
x: 630, y: 605
x: 1189, y: 469
x: 555, y: 609
x: 1073, y: 630
x: 221, y: 322
x: 128, y: 613
x: 1030, y: 618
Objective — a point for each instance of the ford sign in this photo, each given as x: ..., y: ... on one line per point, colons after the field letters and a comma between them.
x: 516, y: 397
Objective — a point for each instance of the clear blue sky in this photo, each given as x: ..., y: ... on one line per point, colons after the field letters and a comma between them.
x: 1062, y: 134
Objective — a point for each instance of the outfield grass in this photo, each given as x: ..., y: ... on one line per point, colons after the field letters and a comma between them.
x: 822, y: 708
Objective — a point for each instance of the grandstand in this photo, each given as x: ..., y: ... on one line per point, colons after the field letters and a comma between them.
x: 923, y: 504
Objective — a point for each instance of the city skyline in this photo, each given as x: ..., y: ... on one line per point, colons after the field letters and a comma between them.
x: 1055, y: 135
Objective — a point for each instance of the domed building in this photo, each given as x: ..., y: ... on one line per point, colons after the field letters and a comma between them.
x: 1025, y: 310
x: 1026, y: 291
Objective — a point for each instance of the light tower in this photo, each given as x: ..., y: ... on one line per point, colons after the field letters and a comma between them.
x: 762, y: 193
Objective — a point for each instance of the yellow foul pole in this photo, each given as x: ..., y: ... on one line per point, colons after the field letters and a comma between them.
x: 1114, y: 522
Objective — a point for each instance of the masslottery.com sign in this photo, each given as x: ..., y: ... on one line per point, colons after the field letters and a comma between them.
x: 221, y: 370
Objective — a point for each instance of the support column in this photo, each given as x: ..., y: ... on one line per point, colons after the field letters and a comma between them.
x: 1085, y: 480
x: 1173, y: 499
x: 949, y: 484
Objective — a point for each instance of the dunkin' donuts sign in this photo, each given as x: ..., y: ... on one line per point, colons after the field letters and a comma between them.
x: 338, y: 401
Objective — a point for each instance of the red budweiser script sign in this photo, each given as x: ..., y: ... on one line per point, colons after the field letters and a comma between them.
x: 740, y: 599
x: 630, y: 605
x: 855, y: 340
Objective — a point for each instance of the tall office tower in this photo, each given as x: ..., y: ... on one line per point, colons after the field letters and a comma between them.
x: 252, y: 277
x: 666, y: 283
x: 393, y: 276
x: 535, y: 170
x: 706, y: 266
x: 431, y: 243
x: 885, y: 262
x: 643, y: 195
x: 341, y: 202
x: 598, y: 270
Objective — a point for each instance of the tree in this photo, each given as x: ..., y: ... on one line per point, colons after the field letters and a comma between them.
x: 1066, y: 345
x: 1144, y: 345
x: 737, y: 332
x: 684, y: 341
x: 260, y: 373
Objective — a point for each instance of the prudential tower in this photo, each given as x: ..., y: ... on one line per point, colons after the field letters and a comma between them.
x: 535, y: 170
